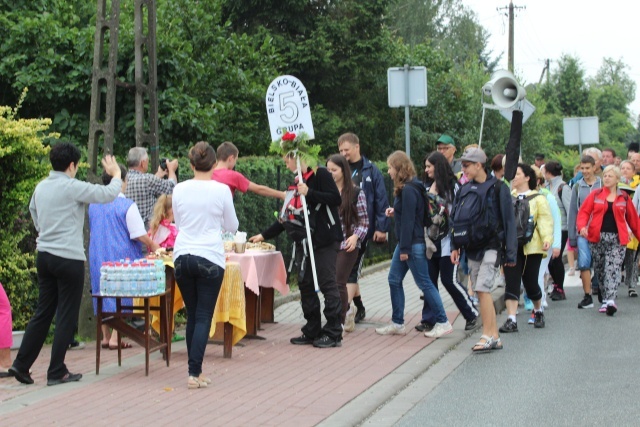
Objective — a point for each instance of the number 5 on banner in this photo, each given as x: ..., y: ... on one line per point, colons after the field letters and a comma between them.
x: 288, y: 107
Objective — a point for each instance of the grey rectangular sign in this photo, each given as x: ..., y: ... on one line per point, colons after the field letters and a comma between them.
x: 581, y: 130
x: 417, y: 77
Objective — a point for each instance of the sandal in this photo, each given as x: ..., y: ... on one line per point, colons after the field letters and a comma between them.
x: 123, y: 345
x: 196, y: 383
x: 483, y: 347
x: 496, y: 344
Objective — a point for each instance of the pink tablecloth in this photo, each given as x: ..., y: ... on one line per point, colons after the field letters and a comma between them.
x: 261, y: 268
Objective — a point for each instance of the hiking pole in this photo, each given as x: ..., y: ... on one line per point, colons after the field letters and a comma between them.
x: 306, y: 226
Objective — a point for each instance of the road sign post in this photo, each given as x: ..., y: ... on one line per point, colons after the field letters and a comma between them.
x: 407, y: 86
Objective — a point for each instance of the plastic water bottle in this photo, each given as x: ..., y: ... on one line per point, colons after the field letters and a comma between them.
x: 152, y: 285
x: 160, y: 276
x: 127, y: 277
x: 135, y: 269
x: 530, y: 227
x: 103, y: 278
x: 110, y: 279
x: 117, y: 280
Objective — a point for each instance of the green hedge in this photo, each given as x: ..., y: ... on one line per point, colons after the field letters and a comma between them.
x: 23, y: 163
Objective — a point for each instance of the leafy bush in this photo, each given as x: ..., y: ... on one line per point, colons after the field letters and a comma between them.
x: 22, y: 165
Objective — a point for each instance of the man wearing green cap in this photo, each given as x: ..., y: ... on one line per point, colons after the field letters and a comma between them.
x: 447, y: 146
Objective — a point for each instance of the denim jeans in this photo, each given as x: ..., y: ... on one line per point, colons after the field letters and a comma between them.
x: 585, y: 261
x: 199, y: 281
x: 419, y: 267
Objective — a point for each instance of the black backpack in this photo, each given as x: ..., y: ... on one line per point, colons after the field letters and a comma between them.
x: 474, y: 223
x: 525, y: 225
x: 436, y: 213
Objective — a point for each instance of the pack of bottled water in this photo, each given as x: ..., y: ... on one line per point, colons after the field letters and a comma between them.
x: 143, y: 277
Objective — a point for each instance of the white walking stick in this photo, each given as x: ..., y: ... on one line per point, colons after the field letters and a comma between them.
x: 306, y: 226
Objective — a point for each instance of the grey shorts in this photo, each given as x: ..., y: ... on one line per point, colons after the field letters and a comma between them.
x: 483, y: 273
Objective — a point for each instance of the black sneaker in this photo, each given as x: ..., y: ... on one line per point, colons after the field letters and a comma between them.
x: 23, y: 377
x: 360, y: 314
x: 471, y: 324
x: 301, y: 340
x: 587, y: 302
x: 424, y: 327
x: 633, y: 293
x: 557, y: 294
x: 68, y: 377
x: 326, y: 342
x: 509, y: 326
x: 539, y: 320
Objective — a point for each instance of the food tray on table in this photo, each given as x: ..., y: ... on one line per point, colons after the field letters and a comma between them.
x: 260, y: 247
x: 166, y: 255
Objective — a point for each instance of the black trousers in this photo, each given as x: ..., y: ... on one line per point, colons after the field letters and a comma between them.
x: 556, y: 265
x: 525, y: 270
x: 325, y: 258
x: 61, y: 281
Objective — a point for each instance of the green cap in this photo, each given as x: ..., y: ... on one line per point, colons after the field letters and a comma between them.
x: 446, y: 139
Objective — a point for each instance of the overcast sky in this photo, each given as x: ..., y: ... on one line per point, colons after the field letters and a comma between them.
x: 548, y: 28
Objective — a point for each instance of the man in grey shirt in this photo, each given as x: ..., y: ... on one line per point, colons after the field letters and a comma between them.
x: 57, y: 208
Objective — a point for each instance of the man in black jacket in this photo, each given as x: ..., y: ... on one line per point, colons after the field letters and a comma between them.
x: 369, y: 178
x: 319, y: 189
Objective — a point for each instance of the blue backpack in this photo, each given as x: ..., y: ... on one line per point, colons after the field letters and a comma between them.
x: 473, y: 221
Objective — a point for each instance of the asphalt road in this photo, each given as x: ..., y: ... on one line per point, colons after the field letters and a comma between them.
x: 582, y: 369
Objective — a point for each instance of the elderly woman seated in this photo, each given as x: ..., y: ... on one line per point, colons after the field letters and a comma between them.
x: 117, y: 232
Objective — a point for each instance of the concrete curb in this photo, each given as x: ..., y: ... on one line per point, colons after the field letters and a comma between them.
x: 358, y: 410
x: 295, y: 296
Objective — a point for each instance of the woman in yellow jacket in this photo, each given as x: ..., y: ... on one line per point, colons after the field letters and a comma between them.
x: 530, y: 254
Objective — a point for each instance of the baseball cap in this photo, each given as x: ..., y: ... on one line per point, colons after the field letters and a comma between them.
x: 474, y: 155
x: 446, y: 139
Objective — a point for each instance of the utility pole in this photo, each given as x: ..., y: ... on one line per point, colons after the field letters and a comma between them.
x: 511, y: 9
x: 545, y: 68
x: 103, y: 102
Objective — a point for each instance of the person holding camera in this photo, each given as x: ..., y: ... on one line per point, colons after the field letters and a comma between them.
x: 145, y: 188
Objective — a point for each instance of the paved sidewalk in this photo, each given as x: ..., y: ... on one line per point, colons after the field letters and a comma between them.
x: 267, y: 382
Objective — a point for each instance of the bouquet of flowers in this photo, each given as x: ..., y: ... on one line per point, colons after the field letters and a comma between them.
x: 297, y: 145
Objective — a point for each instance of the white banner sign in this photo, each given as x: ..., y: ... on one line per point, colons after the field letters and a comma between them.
x: 288, y: 107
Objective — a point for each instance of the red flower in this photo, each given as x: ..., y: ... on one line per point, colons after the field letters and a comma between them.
x: 289, y: 136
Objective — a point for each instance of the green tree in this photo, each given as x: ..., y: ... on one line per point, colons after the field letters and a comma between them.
x: 447, y: 24
x: 568, y: 93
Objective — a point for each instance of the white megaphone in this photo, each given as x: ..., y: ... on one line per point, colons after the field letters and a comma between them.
x: 504, y: 89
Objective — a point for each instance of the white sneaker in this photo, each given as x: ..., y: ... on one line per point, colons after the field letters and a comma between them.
x: 350, y: 321
x: 391, y: 329
x: 439, y: 330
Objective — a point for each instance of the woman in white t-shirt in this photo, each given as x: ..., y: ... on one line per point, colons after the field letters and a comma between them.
x: 201, y: 209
